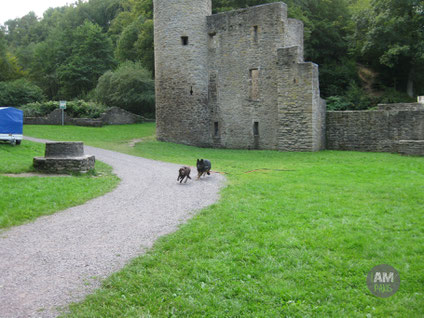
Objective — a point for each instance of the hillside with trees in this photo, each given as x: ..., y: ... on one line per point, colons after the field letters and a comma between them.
x: 369, y: 51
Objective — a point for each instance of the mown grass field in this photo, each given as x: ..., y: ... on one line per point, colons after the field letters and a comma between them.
x: 294, y: 238
x: 24, y: 199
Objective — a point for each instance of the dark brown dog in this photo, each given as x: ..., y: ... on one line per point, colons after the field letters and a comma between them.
x: 184, y: 172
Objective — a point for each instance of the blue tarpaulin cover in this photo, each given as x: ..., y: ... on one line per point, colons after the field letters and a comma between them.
x: 11, y: 121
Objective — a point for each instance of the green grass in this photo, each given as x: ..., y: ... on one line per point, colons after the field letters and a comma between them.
x: 294, y: 241
x: 25, y: 199
x: 107, y: 137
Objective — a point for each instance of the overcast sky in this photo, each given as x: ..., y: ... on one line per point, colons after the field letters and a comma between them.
x: 12, y: 9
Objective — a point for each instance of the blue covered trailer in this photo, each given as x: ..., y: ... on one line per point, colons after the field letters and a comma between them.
x: 11, y: 125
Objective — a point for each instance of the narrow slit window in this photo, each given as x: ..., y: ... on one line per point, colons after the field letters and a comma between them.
x: 256, y: 129
x: 255, y: 34
x: 254, y: 84
x: 212, y: 40
x: 184, y: 40
x: 216, y: 129
x: 191, y: 90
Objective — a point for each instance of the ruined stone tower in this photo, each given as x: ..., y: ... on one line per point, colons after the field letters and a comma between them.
x: 181, y: 63
x: 235, y: 79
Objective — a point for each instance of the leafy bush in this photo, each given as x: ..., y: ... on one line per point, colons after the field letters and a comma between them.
x: 337, y: 103
x: 354, y: 99
x: 19, y: 92
x: 393, y: 96
x: 76, y: 109
x: 129, y: 87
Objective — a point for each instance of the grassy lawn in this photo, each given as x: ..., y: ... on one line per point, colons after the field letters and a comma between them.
x: 107, y: 137
x: 25, y: 199
x: 297, y: 240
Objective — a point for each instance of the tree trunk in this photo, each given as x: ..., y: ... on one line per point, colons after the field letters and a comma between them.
x: 410, y: 85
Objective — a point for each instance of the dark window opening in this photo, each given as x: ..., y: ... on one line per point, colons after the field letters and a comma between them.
x: 212, y: 40
x: 256, y: 129
x: 184, y: 40
x: 191, y: 90
x: 255, y: 33
x: 216, y: 128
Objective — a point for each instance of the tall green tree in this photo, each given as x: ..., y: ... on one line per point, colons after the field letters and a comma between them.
x: 47, y: 57
x: 91, y: 56
x: 130, y: 87
x: 9, y: 67
x: 391, y: 39
x: 125, y: 49
x: 133, y: 29
x: 23, y: 31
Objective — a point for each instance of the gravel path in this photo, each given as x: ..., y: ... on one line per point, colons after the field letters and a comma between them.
x: 58, y: 259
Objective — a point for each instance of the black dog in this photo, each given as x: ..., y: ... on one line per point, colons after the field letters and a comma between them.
x: 203, y: 166
x: 184, y: 172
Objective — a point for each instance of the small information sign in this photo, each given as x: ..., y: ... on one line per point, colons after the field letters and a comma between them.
x: 62, y: 104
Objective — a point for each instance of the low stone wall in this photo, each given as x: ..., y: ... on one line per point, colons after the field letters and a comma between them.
x: 401, y: 107
x: 379, y: 131
x: 114, y: 116
x: 411, y: 147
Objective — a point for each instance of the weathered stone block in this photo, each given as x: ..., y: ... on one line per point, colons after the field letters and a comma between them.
x: 64, y: 165
x: 64, y: 149
x: 64, y: 157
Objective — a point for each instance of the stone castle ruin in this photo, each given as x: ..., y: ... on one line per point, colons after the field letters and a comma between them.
x: 235, y: 79
x: 238, y: 80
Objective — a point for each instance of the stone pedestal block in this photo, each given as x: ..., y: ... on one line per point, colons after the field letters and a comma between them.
x: 64, y: 149
x: 63, y: 157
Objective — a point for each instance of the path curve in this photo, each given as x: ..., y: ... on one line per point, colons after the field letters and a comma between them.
x: 59, y: 259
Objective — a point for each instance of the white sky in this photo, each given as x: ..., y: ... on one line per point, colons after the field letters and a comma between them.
x: 12, y: 9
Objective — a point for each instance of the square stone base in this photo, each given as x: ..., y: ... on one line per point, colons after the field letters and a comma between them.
x: 64, y: 165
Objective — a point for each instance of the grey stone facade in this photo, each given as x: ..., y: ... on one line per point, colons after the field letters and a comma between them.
x: 235, y: 79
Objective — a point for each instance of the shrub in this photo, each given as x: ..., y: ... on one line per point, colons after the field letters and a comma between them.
x: 337, y: 103
x: 19, y: 92
x: 76, y: 109
x: 393, y: 96
x: 354, y: 99
x: 129, y: 87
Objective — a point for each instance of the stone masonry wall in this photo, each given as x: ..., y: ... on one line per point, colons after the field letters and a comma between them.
x: 245, y: 80
x: 379, y: 131
x: 220, y: 83
x: 114, y: 116
x: 181, y: 66
x: 301, y: 121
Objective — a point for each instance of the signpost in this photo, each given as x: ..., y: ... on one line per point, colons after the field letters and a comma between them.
x: 62, y: 106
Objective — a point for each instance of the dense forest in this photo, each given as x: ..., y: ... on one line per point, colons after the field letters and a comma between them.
x: 369, y: 51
